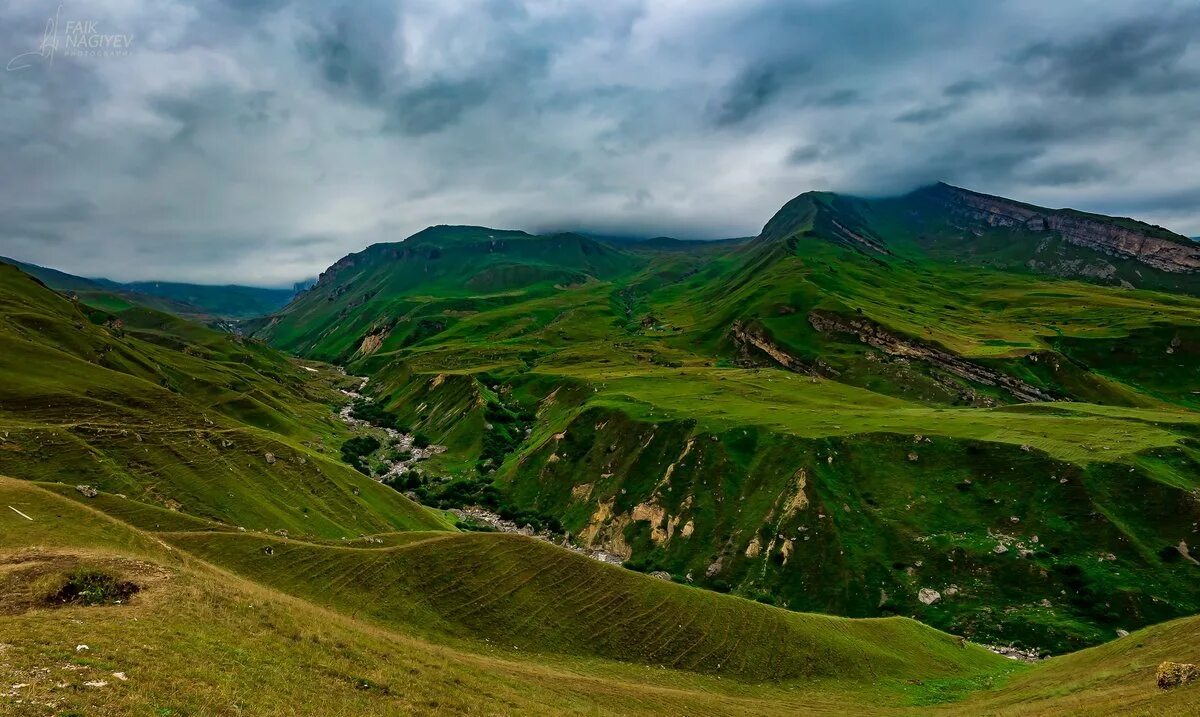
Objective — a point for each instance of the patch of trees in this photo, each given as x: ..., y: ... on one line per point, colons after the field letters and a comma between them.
x: 373, y: 413
x: 355, y: 451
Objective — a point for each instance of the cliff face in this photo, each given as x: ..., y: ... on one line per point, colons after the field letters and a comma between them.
x: 1152, y: 246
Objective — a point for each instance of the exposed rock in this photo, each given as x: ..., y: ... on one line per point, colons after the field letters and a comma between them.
x: 87, y: 491
x: 929, y: 596
x: 747, y: 338
x: 1000, y: 549
x: 268, y: 550
x: 1014, y: 653
x: 661, y: 575
x: 270, y: 458
x: 713, y: 568
x: 1176, y: 674
x: 1186, y: 553
x: 1152, y: 246
x: 1122, y: 633
x: 371, y: 343
x: 872, y: 334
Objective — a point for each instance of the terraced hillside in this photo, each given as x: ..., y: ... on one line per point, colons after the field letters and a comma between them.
x: 166, y: 411
x: 842, y: 414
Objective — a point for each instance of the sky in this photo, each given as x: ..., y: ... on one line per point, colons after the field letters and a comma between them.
x: 258, y: 141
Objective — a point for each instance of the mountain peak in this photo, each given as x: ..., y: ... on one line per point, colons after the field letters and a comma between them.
x: 824, y: 215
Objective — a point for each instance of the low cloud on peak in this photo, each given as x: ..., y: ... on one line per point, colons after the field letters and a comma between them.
x: 259, y: 142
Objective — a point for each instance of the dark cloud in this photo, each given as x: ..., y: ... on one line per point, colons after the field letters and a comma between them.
x: 837, y: 98
x: 1068, y: 173
x: 1143, y: 56
x: 746, y: 95
x: 804, y: 154
x: 260, y: 141
x: 927, y: 115
x: 965, y: 88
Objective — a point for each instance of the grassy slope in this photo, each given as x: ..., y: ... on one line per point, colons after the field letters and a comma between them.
x: 179, y: 415
x: 199, y: 640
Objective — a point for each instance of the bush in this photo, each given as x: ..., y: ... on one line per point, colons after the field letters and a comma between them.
x: 420, y: 440
x: 93, y: 587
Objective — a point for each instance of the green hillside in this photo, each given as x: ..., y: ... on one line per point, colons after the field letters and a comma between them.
x: 178, y: 415
x: 839, y: 415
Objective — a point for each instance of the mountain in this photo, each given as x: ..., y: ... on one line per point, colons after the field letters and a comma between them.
x: 871, y: 403
x: 195, y: 301
x: 228, y: 302
x: 950, y: 223
x: 181, y: 536
x: 394, y: 294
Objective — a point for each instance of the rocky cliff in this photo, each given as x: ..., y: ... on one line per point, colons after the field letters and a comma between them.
x: 1153, y: 246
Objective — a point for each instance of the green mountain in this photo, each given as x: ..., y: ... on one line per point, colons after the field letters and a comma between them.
x: 195, y: 301
x: 228, y: 302
x: 179, y: 535
x: 940, y: 405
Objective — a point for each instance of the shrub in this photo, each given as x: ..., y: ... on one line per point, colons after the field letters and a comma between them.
x: 93, y: 587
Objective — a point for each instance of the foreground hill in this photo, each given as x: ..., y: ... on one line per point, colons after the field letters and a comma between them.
x: 194, y: 638
x: 846, y: 413
x: 179, y: 415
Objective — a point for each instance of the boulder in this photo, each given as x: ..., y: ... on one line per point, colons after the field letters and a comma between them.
x: 1176, y: 674
x: 87, y: 491
x: 929, y: 596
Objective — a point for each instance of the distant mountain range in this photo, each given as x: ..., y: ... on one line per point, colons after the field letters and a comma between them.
x: 197, y: 301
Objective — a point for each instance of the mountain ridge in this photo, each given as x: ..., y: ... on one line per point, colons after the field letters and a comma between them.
x: 200, y: 301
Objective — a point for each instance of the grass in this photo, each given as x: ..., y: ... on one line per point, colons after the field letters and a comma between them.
x: 198, y: 639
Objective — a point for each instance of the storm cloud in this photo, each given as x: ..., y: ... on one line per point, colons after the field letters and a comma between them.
x: 259, y: 142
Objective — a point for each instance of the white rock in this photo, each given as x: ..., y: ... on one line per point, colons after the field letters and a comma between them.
x: 929, y: 596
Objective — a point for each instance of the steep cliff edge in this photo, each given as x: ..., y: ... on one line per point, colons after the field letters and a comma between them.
x: 1151, y: 245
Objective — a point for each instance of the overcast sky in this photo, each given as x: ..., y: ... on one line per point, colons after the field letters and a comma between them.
x: 258, y: 142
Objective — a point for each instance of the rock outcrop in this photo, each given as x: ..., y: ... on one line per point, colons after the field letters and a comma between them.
x: 1153, y: 246
x: 876, y: 336
x: 1176, y: 674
